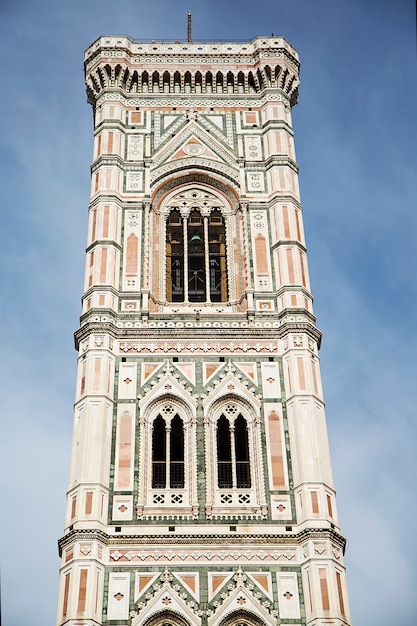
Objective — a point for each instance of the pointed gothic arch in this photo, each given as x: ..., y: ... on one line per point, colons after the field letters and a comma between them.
x: 242, y: 617
x: 166, y: 618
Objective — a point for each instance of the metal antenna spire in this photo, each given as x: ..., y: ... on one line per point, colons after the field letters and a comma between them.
x: 189, y: 38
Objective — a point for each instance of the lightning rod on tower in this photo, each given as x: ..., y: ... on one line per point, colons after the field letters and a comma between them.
x: 189, y: 38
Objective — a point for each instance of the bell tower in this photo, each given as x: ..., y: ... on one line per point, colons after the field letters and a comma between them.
x: 200, y: 490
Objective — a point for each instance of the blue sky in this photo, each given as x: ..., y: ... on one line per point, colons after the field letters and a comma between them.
x: 356, y: 145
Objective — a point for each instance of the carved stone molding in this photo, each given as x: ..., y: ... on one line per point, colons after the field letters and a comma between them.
x: 196, y: 347
x: 184, y: 555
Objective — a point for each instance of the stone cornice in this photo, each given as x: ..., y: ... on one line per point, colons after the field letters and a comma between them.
x: 280, y: 161
x: 283, y: 539
x: 231, y: 52
x: 275, y: 160
x: 198, y: 333
x: 289, y: 242
x: 95, y: 244
x: 278, y: 197
x: 130, y: 204
x: 114, y: 159
x: 188, y: 101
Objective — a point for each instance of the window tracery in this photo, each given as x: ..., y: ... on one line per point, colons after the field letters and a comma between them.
x: 234, y: 458
x: 168, y: 453
x: 196, y: 251
x: 167, y: 466
x: 242, y: 618
x: 167, y: 618
x: 233, y: 466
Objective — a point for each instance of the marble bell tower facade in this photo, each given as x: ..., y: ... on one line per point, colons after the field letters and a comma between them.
x: 201, y: 491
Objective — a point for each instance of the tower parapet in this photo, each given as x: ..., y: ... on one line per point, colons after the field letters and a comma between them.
x: 211, y: 69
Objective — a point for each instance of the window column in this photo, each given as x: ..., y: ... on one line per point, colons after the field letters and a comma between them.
x: 168, y: 454
x: 207, y: 256
x: 233, y: 450
x: 185, y: 236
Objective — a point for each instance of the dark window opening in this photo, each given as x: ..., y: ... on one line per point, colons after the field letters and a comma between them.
x: 233, y: 471
x: 196, y: 258
x: 168, y: 454
x: 224, y: 454
x: 158, y: 454
x: 217, y: 257
x: 195, y: 268
x: 176, y: 473
x: 175, y: 258
x: 242, y: 454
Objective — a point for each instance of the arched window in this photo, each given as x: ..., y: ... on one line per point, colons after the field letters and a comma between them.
x: 233, y: 465
x: 235, y: 484
x: 168, y: 453
x: 196, y: 268
x: 167, y: 464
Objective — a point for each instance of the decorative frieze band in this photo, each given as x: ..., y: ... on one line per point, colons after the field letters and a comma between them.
x: 192, y: 100
x: 163, y: 170
x: 197, y: 348
x: 128, y: 556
